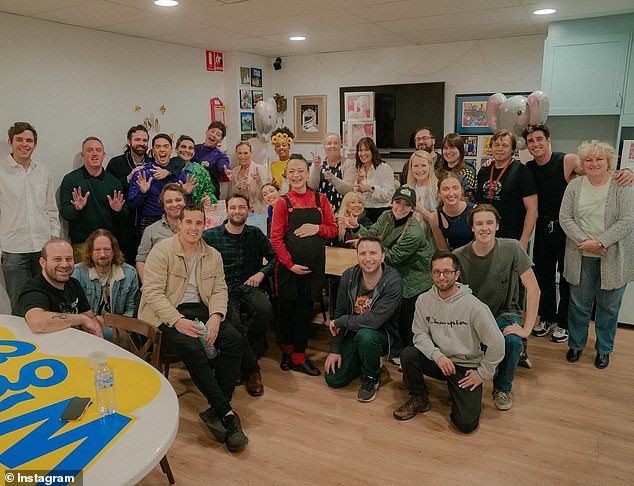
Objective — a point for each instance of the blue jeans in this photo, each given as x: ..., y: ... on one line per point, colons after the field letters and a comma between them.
x: 503, y: 379
x: 582, y: 297
x: 18, y: 268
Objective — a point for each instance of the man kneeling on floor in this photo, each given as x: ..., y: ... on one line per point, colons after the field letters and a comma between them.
x: 184, y: 282
x: 366, y: 320
x: 450, y: 326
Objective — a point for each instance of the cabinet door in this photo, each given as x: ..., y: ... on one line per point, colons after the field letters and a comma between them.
x: 586, y: 76
x: 628, y: 108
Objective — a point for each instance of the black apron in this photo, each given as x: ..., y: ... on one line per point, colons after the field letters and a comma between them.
x: 309, y: 251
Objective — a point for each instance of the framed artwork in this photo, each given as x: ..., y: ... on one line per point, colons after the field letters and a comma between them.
x: 353, y: 131
x: 359, y: 106
x: 471, y: 113
x: 245, y: 76
x: 246, y: 121
x: 246, y: 102
x: 486, y: 146
x: 257, y: 96
x: 256, y: 77
x: 247, y: 136
x: 471, y: 146
x: 310, y: 118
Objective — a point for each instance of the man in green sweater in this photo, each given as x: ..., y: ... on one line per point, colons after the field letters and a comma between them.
x: 90, y: 197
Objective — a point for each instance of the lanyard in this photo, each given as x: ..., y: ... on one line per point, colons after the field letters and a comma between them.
x: 491, y: 186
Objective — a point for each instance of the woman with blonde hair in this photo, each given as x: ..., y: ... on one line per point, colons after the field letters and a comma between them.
x: 421, y: 178
x: 247, y: 178
x: 351, y: 205
x: 597, y: 216
x: 335, y: 176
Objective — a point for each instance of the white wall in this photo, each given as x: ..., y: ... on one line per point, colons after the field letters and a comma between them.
x: 483, y: 66
x: 71, y: 83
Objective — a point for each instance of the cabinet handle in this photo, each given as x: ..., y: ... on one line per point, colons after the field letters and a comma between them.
x: 620, y: 102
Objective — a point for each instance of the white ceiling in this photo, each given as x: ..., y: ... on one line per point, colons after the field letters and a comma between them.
x: 263, y: 26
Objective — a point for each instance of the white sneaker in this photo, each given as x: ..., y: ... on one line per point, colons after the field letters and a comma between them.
x: 543, y: 328
x: 560, y: 335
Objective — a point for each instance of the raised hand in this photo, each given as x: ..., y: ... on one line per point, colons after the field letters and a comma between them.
x: 144, y: 184
x: 79, y: 201
x: 116, y: 202
x: 189, y: 184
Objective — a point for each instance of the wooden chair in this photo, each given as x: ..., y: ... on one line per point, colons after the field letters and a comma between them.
x: 149, y: 350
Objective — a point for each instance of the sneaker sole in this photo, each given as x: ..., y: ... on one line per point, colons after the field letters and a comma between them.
x: 398, y: 417
x: 239, y: 447
x: 559, y: 340
x: 220, y: 434
x: 540, y: 333
x: 503, y: 407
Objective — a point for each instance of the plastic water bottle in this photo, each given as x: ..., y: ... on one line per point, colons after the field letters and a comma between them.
x: 210, y: 350
x: 104, y: 386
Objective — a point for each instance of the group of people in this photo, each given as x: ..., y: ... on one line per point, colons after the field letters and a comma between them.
x: 443, y: 287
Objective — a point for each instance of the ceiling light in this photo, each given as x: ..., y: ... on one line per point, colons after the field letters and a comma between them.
x: 297, y: 38
x: 544, y: 11
x: 166, y: 3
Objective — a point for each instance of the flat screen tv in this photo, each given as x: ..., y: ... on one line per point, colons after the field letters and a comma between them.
x: 401, y: 108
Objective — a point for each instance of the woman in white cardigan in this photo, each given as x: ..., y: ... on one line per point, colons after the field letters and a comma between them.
x: 374, y: 179
x: 597, y: 216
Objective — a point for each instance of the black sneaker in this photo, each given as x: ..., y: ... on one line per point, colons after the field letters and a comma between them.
x: 214, y: 424
x: 369, y: 385
x: 236, y: 440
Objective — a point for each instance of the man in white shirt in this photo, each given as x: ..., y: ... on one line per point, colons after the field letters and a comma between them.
x: 28, y: 213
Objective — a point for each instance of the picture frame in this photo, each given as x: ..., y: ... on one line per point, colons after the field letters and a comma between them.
x: 256, y: 77
x: 310, y: 118
x: 246, y: 101
x: 246, y: 121
x: 353, y: 131
x: 257, y: 96
x: 359, y: 106
x: 471, y: 146
x: 245, y: 76
x: 471, y: 113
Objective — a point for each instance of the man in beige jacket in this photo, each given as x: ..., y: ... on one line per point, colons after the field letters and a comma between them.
x: 185, y: 295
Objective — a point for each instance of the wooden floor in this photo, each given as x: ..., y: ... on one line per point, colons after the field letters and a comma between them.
x: 571, y: 424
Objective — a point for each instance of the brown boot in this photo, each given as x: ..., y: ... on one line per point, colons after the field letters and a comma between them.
x: 254, y: 384
x: 415, y: 404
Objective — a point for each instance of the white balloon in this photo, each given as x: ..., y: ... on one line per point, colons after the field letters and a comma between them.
x: 265, y: 117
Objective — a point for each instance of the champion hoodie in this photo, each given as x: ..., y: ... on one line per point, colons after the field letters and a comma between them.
x: 456, y: 327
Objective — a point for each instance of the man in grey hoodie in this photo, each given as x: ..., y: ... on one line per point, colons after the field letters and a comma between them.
x: 450, y: 326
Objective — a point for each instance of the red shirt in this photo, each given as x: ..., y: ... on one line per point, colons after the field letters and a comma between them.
x: 327, y: 229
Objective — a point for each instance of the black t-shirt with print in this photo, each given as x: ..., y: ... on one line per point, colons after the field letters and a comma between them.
x: 38, y: 293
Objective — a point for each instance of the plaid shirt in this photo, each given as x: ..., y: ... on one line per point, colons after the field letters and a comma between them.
x: 241, y: 254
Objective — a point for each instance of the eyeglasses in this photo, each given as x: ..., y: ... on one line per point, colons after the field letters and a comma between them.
x: 423, y: 139
x: 444, y: 273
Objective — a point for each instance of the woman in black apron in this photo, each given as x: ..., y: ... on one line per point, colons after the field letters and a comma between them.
x: 302, y: 222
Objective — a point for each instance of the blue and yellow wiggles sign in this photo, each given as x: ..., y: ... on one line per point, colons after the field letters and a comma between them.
x: 35, y: 388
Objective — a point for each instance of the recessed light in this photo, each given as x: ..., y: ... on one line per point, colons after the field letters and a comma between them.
x: 166, y: 3
x: 544, y: 11
x: 297, y: 38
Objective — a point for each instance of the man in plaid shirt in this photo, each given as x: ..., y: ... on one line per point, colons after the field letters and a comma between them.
x: 243, y: 249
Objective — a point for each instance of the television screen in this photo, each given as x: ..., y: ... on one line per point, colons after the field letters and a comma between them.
x: 399, y: 109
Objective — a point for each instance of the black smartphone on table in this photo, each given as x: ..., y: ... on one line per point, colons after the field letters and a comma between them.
x: 75, y: 409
